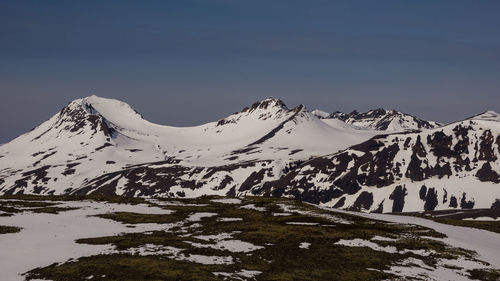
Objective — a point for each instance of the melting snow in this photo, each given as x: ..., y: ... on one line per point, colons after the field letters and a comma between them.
x: 365, y: 243
x: 329, y: 217
x: 304, y: 245
x: 199, y: 216
x: 175, y: 253
x: 415, y: 268
x: 235, y: 246
x: 222, y: 241
x: 281, y: 214
x: 253, y: 207
x: 48, y: 238
x: 227, y: 201
x: 239, y: 275
x: 230, y: 219
x: 485, y: 243
x: 302, y: 223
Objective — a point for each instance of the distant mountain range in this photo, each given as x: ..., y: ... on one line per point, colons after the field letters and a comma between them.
x: 378, y: 161
x: 380, y: 119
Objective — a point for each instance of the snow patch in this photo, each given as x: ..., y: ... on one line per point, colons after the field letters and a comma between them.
x: 199, y: 216
x: 304, y: 245
x: 227, y: 201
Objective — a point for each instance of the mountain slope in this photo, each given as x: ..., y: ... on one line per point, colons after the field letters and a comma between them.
x: 95, y: 136
x: 455, y: 166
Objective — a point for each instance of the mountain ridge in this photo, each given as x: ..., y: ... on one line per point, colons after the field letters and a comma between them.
x: 104, y: 146
x: 381, y: 119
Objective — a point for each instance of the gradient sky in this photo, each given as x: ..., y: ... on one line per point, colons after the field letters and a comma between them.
x: 190, y: 62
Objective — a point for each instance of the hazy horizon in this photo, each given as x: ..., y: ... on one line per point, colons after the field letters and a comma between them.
x: 185, y: 63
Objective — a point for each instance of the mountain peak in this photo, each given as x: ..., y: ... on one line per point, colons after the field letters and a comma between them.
x: 113, y: 110
x: 267, y: 103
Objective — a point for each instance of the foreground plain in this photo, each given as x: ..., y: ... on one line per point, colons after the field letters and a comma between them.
x: 214, y: 238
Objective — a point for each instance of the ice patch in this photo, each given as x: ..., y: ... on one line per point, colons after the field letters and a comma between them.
x: 222, y: 241
x: 227, y: 200
x: 281, y: 214
x: 202, y: 259
x: 174, y: 203
x: 304, y: 245
x: 151, y: 249
x: 365, y: 243
x: 235, y: 246
x: 175, y: 253
x: 253, y: 207
x: 382, y: 238
x: 229, y: 219
x: 217, y: 237
x: 388, y: 249
x: 332, y: 218
x: 415, y: 268
x: 239, y: 275
x: 302, y: 223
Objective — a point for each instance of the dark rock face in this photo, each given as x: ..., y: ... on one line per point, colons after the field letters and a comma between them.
x: 498, y: 143
x: 461, y: 135
x: 252, y: 180
x: 453, y: 202
x: 496, y: 204
x: 415, y: 171
x: 431, y: 200
x: 487, y: 174
x: 364, y: 201
x: 75, y: 118
x: 445, y: 196
x: 70, y: 169
x: 398, y: 198
x: 37, y: 177
x: 486, y: 147
x: 260, y: 105
x: 265, y: 104
x: 440, y: 144
x: 466, y: 204
x: 160, y: 177
x: 423, y: 192
x: 340, y: 203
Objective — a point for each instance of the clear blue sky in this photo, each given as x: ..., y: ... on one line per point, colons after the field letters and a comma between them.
x: 190, y: 62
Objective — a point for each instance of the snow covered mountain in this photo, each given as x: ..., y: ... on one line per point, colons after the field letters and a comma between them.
x: 380, y: 119
x: 455, y: 166
x: 95, y: 136
x: 103, y: 146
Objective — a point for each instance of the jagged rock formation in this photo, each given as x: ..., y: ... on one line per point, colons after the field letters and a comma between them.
x: 380, y: 119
